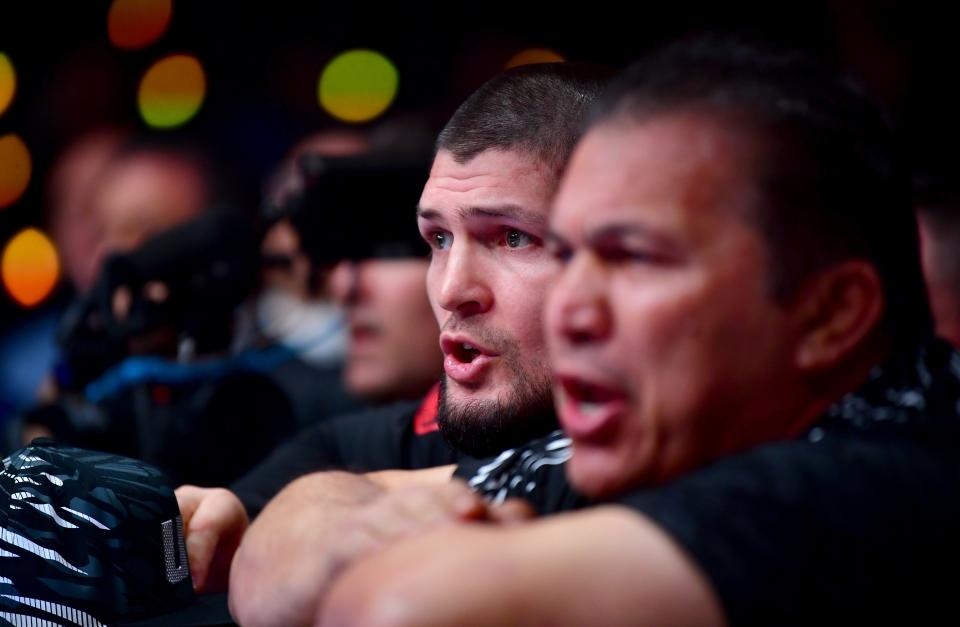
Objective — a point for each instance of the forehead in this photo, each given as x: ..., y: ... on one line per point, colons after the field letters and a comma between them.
x: 675, y: 170
x: 493, y: 178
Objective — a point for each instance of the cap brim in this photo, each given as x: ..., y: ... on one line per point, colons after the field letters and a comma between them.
x: 208, y: 610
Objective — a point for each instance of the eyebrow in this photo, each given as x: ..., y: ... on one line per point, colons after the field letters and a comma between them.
x: 615, y: 232
x: 620, y: 231
x: 515, y: 213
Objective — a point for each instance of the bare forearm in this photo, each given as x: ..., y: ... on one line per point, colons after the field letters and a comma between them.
x: 282, y: 552
x: 606, y: 566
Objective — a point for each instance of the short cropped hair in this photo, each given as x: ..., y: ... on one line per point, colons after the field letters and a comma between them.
x: 537, y: 109
x: 833, y: 184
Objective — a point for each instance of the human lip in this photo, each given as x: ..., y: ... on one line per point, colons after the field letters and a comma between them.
x: 363, y: 332
x: 589, y: 410
x: 465, y: 361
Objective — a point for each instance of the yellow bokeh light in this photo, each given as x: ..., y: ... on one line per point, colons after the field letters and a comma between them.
x: 534, y: 55
x: 8, y: 82
x: 134, y: 24
x: 358, y: 85
x: 15, y: 168
x: 172, y: 91
x: 30, y: 267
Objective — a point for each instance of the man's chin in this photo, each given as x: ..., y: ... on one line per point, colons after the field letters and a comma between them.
x: 485, y: 422
x: 486, y: 392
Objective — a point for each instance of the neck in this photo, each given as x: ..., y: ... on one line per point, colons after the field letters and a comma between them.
x: 828, y: 386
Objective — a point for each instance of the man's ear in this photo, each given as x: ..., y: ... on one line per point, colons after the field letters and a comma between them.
x: 835, y: 312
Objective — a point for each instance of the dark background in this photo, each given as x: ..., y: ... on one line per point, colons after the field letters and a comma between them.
x: 262, y: 61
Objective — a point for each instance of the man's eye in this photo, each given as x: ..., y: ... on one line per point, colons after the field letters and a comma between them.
x: 440, y: 240
x: 518, y: 239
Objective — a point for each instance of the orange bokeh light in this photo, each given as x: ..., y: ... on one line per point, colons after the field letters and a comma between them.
x: 15, y: 169
x: 8, y: 82
x: 534, y: 55
x: 30, y: 267
x: 135, y: 24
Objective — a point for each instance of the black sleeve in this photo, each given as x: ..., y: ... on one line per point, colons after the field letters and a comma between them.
x: 377, y: 439
x: 843, y: 531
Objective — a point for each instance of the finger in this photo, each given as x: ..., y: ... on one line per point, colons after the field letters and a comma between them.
x: 469, y: 506
x: 201, y: 546
x: 512, y: 511
x: 213, y: 535
x: 188, y: 499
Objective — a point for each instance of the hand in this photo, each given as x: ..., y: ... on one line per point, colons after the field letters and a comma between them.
x: 277, y: 572
x: 404, y: 513
x: 321, y: 524
x: 398, y: 514
x: 214, y: 521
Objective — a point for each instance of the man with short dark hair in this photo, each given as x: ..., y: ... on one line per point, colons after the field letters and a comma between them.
x: 484, y: 212
x: 744, y: 369
x: 498, y: 161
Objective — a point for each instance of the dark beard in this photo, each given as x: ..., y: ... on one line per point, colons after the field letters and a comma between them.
x: 485, y: 428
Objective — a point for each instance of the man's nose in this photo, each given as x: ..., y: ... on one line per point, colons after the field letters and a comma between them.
x: 579, y: 308
x: 344, y: 282
x: 465, y: 286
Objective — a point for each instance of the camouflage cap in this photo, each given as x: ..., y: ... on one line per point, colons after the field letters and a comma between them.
x: 92, y: 539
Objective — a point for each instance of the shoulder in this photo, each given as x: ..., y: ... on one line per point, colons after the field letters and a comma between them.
x: 849, y: 524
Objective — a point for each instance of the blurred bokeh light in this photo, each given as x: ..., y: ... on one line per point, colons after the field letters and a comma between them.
x: 15, y: 168
x: 30, y: 267
x: 8, y: 82
x: 534, y: 55
x: 172, y: 91
x: 358, y: 85
x: 135, y: 24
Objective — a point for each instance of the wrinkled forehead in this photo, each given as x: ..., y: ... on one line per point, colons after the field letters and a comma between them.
x: 676, y: 168
x: 493, y: 178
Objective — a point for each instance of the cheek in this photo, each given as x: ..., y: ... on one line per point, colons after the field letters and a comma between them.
x: 552, y: 326
x: 434, y: 278
x: 658, y: 322
x: 523, y: 310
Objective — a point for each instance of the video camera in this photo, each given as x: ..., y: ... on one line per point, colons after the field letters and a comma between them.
x: 204, y: 268
x: 362, y: 207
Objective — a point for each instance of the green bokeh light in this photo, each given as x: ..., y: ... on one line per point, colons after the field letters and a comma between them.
x: 358, y: 85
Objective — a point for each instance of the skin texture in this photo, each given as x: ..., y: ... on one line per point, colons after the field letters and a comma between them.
x: 325, y: 521
x: 206, y: 512
x: 480, y: 575
x: 664, y: 305
x: 485, y: 221
x: 392, y: 351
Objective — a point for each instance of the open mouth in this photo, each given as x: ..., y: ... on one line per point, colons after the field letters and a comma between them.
x: 589, y: 410
x: 464, y: 352
x: 465, y: 361
x: 589, y: 396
